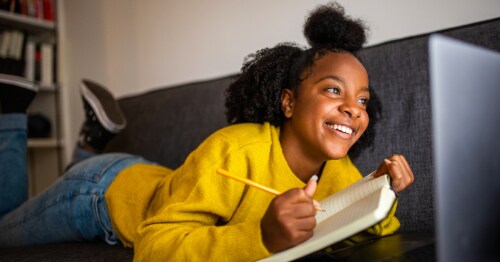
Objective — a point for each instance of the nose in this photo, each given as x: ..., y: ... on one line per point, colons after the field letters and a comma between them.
x: 350, y: 108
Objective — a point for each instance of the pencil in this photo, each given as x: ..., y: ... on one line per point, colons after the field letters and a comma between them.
x: 249, y: 182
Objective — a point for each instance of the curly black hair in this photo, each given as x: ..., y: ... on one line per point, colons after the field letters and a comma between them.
x: 255, y: 94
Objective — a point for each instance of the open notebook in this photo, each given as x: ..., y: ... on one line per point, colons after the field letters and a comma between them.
x: 354, y: 209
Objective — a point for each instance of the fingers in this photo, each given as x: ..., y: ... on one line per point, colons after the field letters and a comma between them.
x: 289, y: 219
x: 394, y: 170
x: 311, y: 185
x: 398, y: 168
x: 408, y: 169
x: 407, y: 176
x: 382, y: 169
x: 300, y: 203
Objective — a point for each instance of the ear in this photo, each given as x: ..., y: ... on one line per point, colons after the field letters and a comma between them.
x: 287, y: 102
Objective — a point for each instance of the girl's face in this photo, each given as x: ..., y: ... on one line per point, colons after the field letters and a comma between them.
x: 328, y: 113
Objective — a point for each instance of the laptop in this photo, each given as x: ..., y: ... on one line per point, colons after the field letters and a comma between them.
x: 465, y: 100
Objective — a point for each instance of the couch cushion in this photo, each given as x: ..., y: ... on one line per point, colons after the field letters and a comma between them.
x: 165, y: 125
x: 73, y: 251
x: 398, y: 72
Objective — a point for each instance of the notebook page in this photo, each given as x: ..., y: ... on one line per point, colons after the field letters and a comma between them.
x: 349, y: 195
x: 358, y: 217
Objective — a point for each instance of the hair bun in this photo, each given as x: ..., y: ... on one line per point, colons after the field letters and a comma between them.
x: 328, y: 25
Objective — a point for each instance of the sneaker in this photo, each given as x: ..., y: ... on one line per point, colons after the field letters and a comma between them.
x: 16, y: 94
x: 103, y: 116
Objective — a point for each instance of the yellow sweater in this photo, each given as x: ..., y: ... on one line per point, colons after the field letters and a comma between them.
x: 194, y: 214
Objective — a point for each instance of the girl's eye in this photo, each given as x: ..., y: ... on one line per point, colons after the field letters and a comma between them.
x: 334, y: 90
x: 363, y: 101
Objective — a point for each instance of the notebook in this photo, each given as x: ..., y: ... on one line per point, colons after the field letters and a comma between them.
x: 465, y: 100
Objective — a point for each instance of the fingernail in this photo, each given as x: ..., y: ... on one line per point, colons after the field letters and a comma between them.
x: 315, y: 178
x: 387, y: 161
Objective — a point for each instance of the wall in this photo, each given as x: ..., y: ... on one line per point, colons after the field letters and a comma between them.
x: 135, y: 46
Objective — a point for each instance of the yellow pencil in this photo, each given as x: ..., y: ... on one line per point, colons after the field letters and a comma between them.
x: 245, y: 181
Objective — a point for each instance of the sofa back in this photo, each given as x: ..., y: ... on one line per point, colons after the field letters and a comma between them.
x: 398, y: 72
x: 165, y: 125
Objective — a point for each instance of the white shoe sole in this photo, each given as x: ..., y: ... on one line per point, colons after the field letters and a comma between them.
x: 18, y: 81
x: 99, y: 110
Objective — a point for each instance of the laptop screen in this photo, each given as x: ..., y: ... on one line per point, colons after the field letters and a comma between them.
x: 465, y: 100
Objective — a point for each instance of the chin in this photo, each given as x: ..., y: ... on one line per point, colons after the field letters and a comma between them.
x: 337, y: 154
x: 336, y: 150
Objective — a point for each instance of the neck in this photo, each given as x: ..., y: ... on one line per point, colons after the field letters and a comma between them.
x: 302, y: 163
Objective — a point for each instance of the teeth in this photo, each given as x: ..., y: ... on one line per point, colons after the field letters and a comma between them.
x: 344, y: 129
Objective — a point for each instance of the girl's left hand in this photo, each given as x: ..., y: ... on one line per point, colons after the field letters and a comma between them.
x: 399, y: 170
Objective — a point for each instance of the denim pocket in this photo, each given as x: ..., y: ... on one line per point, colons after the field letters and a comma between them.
x: 102, y: 218
x: 94, y: 168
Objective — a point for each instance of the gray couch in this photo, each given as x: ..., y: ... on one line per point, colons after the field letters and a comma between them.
x: 166, y: 124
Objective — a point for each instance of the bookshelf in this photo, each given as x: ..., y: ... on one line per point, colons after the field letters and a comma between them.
x: 23, y: 22
x: 44, y: 153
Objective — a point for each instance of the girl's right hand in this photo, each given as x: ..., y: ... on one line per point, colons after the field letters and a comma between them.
x: 289, y: 219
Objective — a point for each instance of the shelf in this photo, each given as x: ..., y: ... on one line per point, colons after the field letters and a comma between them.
x: 26, y: 22
x: 51, y: 88
x: 41, y: 143
x: 45, y: 158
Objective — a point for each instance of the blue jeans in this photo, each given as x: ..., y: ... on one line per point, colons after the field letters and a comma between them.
x: 73, y: 209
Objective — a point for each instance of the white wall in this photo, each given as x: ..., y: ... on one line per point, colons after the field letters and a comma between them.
x: 133, y: 46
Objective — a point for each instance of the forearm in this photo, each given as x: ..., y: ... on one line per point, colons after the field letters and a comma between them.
x: 167, y: 242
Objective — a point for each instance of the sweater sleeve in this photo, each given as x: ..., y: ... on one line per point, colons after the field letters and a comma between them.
x: 388, y: 225
x: 194, y: 222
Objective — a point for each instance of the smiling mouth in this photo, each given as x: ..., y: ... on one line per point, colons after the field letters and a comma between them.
x: 341, y: 128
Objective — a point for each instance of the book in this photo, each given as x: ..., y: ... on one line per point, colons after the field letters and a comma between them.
x: 12, y: 52
x: 46, y: 65
x: 48, y: 10
x: 347, y: 212
x: 29, y: 69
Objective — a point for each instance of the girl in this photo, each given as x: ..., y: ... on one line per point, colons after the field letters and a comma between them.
x: 295, y: 114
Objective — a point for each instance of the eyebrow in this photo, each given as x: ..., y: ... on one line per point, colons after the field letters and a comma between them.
x: 342, y: 81
x: 336, y: 78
